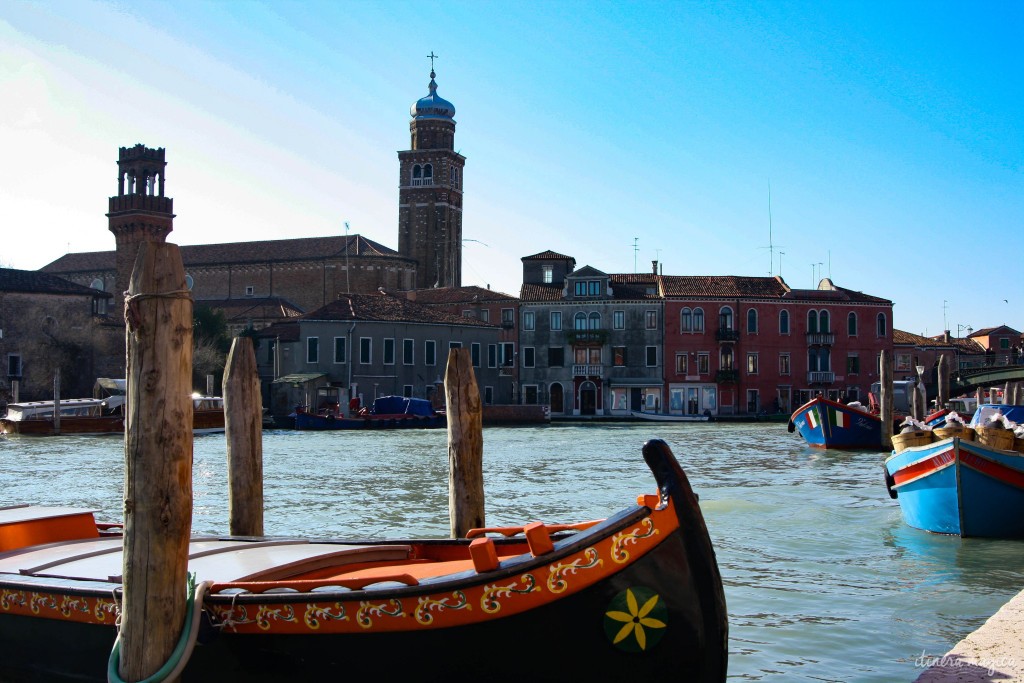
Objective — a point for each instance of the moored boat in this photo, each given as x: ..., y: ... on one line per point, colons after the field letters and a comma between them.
x: 387, y: 412
x: 824, y: 423
x: 959, y: 485
x: 663, y: 417
x: 637, y: 594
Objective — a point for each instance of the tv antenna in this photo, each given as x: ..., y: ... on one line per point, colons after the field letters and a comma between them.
x: 348, y: 286
x: 635, y: 250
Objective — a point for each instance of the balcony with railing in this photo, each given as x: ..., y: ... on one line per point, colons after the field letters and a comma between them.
x: 821, y: 338
x: 506, y: 371
x: 727, y: 375
x: 819, y: 377
x: 588, y: 337
x: 422, y: 181
x: 587, y: 370
x: 727, y: 334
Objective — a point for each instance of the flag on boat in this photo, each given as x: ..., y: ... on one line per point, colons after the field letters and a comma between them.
x: 812, y: 417
x: 838, y: 418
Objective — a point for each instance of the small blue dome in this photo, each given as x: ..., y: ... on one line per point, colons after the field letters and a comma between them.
x: 432, y: 106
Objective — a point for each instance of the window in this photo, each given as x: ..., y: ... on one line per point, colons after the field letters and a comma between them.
x: 783, y: 322
x: 428, y: 174
x: 751, y: 363
x: 852, y: 365
x: 784, y: 364
x: 474, y: 353
x: 249, y: 290
x: 1004, y: 344
x: 408, y: 352
x: 454, y: 345
x: 556, y: 357
x: 548, y: 273
x: 492, y: 355
x: 528, y: 357
x: 823, y: 322
x: 880, y: 326
x: 651, y: 320
x: 488, y: 395
x: 579, y: 288
x: 686, y: 320
x: 430, y: 352
x: 455, y: 176
x: 619, y: 356
x: 812, y: 321
x: 528, y: 320
x: 725, y: 318
x: 508, y: 317
x: 594, y: 321
x: 365, y: 350
x: 594, y: 288
x: 407, y: 390
x: 530, y: 394
x: 681, y: 363
x: 101, y: 303
x: 340, y: 350
x: 579, y: 321
x: 753, y: 401
x: 619, y: 320
x: 903, y: 362
x: 725, y: 359
x: 851, y: 324
x: 468, y: 314
x: 703, y: 363
x: 652, y: 356
x: 556, y: 320
x: 485, y: 315
x: 752, y: 321
x: 698, y: 320
x: 389, y: 352
x: 312, y: 350
x: 14, y: 365
x: 508, y: 353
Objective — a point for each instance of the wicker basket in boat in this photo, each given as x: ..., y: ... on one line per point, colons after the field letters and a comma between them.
x: 995, y: 437
x: 963, y: 431
x: 907, y: 440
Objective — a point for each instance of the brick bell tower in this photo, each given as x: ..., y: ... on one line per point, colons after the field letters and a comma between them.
x: 140, y: 212
x: 430, y: 193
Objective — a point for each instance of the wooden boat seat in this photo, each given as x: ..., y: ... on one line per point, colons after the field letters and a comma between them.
x: 27, y: 525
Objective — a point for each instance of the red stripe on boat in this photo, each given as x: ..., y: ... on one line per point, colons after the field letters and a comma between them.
x: 923, y: 468
x: 994, y: 469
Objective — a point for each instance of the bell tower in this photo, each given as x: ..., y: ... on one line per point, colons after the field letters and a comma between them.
x: 140, y: 212
x: 430, y: 192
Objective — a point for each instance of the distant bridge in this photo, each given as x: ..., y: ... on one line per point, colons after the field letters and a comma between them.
x: 968, y: 379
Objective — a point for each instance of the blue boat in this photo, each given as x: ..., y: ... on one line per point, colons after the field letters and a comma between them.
x: 959, y: 486
x: 824, y: 423
x: 388, y: 412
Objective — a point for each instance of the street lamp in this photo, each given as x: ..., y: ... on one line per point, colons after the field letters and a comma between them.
x: 922, y: 396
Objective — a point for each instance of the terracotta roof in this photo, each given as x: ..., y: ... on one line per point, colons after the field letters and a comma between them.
x: 457, y: 295
x: 384, y: 306
x: 285, y: 331
x: 911, y: 339
x: 534, y: 292
x: 298, y: 249
x: 587, y: 271
x: 635, y: 286
x: 1001, y: 329
x: 548, y: 256
x: 836, y: 294
x: 722, y: 286
x: 32, y: 281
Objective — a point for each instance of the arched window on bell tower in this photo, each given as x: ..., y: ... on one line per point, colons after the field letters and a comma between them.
x: 428, y: 174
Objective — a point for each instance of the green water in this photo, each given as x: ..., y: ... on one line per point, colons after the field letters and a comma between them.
x: 824, y: 581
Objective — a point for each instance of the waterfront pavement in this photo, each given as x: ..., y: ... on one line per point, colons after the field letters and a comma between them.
x: 995, y: 652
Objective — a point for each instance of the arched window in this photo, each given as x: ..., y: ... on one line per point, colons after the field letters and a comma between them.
x: 189, y: 281
x: 685, y: 320
x: 851, y: 324
x: 698, y: 320
x: 101, y: 304
x: 594, y: 321
x: 580, y: 321
x: 880, y: 326
x: 417, y: 175
x: 97, y: 284
x: 751, y: 321
x: 812, y: 359
x: 428, y: 174
x: 812, y: 321
x: 725, y: 318
x: 783, y: 322
x: 823, y: 322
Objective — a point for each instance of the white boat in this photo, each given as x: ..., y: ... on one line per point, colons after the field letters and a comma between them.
x: 662, y: 417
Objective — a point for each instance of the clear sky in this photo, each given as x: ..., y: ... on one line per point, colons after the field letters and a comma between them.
x: 877, y: 143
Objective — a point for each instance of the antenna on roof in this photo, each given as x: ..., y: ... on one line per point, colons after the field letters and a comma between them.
x: 771, y: 251
x: 635, y: 249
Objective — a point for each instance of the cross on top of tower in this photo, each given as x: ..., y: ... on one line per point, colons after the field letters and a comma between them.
x: 432, y: 57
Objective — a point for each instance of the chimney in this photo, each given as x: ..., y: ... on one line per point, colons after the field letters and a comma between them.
x: 945, y: 336
x: 654, y: 267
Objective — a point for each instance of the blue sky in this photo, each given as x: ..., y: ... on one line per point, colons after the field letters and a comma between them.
x: 889, y: 134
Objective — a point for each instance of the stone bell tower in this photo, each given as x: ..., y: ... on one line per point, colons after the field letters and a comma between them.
x: 140, y: 212
x: 430, y: 193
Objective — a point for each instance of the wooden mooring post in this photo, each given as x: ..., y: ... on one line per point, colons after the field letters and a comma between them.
x: 243, y: 428
x: 465, y: 444
x: 885, y: 398
x: 943, y: 374
x: 56, y: 402
x: 158, y: 460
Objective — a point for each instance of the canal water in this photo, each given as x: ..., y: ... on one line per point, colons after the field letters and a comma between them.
x: 824, y: 581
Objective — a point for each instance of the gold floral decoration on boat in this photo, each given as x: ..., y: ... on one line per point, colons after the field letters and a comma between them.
x: 266, y: 615
x: 315, y: 613
x: 391, y: 608
x: 69, y: 604
x: 619, y: 541
x: 426, y: 604
x: 38, y: 600
x: 490, y: 600
x: 10, y: 598
x: 556, y: 579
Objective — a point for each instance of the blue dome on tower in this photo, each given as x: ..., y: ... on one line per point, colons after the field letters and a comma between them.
x: 432, y: 106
